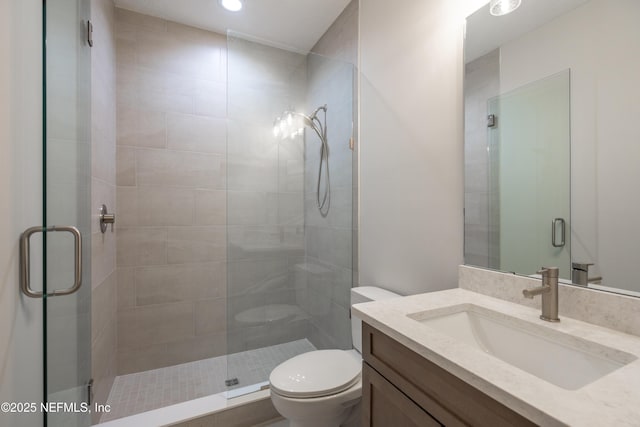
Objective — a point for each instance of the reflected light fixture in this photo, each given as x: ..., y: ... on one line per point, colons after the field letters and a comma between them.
x: 231, y: 5
x: 502, y: 7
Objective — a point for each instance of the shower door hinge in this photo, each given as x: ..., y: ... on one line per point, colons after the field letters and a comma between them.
x: 352, y: 143
x: 90, y: 33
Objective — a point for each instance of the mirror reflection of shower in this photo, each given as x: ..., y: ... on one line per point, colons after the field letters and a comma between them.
x: 291, y: 124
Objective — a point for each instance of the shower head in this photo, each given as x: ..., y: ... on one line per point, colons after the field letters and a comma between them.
x: 291, y: 124
x: 317, y: 110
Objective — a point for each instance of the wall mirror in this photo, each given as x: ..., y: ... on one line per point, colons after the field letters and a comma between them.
x: 552, y: 148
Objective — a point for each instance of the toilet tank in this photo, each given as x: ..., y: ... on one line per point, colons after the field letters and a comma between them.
x: 365, y: 294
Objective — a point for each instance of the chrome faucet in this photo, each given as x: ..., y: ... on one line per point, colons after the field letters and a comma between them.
x: 549, y: 292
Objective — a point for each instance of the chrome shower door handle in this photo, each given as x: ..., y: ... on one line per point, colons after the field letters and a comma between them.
x: 554, y: 226
x: 25, y: 261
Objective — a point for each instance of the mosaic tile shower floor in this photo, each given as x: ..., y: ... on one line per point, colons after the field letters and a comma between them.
x: 143, y: 391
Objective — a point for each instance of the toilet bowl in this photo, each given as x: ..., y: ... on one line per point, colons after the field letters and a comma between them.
x: 319, y: 388
x: 323, y: 388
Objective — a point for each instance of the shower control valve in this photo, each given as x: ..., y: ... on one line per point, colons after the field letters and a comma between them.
x: 106, y: 218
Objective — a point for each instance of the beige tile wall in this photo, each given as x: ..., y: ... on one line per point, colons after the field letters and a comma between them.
x: 171, y: 181
x: 103, y: 190
x: 177, y: 190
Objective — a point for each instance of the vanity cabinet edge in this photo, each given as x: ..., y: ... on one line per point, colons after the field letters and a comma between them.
x: 445, y: 397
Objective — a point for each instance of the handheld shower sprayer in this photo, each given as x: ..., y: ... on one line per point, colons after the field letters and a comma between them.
x: 291, y: 124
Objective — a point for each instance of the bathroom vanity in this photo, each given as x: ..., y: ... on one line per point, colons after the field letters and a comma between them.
x: 409, y: 390
x: 458, y: 357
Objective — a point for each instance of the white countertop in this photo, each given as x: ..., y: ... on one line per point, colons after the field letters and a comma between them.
x: 613, y: 400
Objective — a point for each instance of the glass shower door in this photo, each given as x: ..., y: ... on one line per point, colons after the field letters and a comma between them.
x: 531, y: 143
x: 66, y: 201
x: 265, y: 214
x: 289, y: 262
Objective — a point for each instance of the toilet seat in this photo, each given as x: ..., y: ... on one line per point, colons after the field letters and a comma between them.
x: 316, y: 374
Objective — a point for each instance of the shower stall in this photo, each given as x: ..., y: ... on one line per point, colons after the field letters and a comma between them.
x: 235, y: 192
x: 229, y: 164
x: 226, y: 164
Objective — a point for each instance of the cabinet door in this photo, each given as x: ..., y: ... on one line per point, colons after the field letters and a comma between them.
x: 446, y: 397
x: 384, y: 405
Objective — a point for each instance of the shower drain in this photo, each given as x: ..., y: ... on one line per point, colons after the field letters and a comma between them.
x: 232, y: 381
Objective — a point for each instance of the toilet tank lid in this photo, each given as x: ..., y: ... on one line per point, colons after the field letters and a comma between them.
x: 370, y: 293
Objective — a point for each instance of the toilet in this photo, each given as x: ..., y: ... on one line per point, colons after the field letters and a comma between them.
x: 323, y: 388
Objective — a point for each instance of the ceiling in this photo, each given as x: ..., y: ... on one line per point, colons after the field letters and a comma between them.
x: 293, y: 24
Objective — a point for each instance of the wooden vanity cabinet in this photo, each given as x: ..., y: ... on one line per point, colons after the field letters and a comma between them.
x: 400, y: 388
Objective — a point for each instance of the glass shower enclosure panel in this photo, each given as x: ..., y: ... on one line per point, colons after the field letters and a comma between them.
x: 289, y: 265
x: 530, y: 155
x: 67, y: 198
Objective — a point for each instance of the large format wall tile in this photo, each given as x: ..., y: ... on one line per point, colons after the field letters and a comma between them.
x: 165, y: 168
x: 125, y: 166
x: 252, y: 208
x: 196, y: 133
x: 211, y: 207
x: 211, y: 316
x: 197, y: 156
x: 177, y: 283
x: 156, y: 324
x: 196, y: 244
x: 142, y: 246
x: 165, y: 206
x: 141, y: 128
x: 172, y: 175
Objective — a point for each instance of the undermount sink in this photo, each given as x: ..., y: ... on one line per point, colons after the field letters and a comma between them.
x: 561, y: 359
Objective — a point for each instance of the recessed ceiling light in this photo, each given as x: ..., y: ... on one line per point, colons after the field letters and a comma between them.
x: 502, y: 7
x: 231, y: 5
